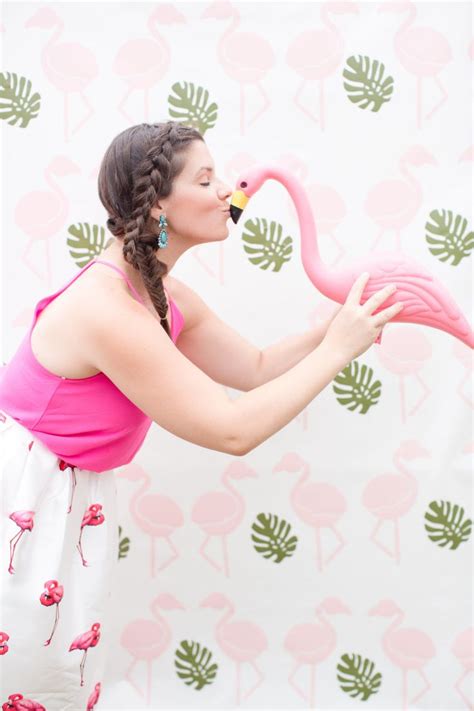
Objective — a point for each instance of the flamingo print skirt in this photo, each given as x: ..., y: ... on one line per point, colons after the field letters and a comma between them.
x: 59, y: 551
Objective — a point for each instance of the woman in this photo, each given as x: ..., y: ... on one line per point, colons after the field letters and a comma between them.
x: 108, y: 356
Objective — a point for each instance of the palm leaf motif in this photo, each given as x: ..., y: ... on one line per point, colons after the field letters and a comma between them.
x: 447, y: 232
x: 124, y: 544
x: 357, y: 676
x: 365, y: 83
x: 446, y: 525
x: 266, y: 244
x: 192, y: 107
x: 195, y: 665
x: 86, y: 242
x: 272, y: 537
x: 356, y: 389
x: 17, y: 103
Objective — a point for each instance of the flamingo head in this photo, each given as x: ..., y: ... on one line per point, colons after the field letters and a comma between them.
x: 167, y: 602
x: 217, y: 601
x: 247, y: 184
x: 45, y: 18
x: 412, y: 449
x: 385, y: 608
x: 333, y: 605
x: 394, y: 6
x: 342, y: 7
x: 219, y: 10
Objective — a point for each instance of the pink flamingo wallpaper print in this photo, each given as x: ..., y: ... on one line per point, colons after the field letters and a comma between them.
x: 331, y: 567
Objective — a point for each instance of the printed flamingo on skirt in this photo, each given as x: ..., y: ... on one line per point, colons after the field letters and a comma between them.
x: 52, y: 595
x: 16, y: 702
x: 25, y: 520
x: 84, y: 641
x: 92, y: 517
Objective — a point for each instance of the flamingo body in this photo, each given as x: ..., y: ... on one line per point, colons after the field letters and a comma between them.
x: 69, y: 66
x: 392, y: 203
x: 390, y: 495
x: 310, y: 643
x: 423, y: 51
x: 315, y: 54
x: 242, y: 640
x: 410, y: 648
x: 250, y: 65
x: 319, y: 502
x: 142, y: 62
x: 216, y: 512
x: 146, y: 639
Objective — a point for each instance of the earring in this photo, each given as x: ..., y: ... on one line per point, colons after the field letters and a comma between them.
x: 162, y: 239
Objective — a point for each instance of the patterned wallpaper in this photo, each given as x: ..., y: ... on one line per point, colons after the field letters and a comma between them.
x: 331, y: 567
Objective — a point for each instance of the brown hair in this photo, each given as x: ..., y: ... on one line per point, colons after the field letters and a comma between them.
x: 137, y: 169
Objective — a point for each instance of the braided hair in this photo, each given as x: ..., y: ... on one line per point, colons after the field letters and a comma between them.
x: 138, y: 169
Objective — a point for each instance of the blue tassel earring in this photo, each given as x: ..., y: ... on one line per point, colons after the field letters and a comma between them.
x: 162, y: 239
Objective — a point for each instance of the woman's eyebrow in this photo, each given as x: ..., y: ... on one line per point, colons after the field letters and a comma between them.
x: 204, y: 167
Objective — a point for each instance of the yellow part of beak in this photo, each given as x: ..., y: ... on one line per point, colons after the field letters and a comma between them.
x: 239, y: 199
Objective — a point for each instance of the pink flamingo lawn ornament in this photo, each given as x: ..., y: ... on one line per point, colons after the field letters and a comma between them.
x: 426, y: 300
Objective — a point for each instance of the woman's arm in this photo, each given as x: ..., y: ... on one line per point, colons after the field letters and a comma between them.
x: 265, y: 410
x: 280, y: 357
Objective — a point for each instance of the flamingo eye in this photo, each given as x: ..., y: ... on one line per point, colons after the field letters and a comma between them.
x: 243, y: 184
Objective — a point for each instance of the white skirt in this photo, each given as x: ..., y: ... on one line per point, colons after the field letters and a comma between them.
x: 59, y: 552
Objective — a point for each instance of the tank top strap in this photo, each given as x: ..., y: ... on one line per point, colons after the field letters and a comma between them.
x: 117, y: 269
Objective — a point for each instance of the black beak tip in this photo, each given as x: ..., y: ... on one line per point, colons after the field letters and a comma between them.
x: 235, y: 213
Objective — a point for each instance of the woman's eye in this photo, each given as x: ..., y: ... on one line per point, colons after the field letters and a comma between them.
x: 204, y: 183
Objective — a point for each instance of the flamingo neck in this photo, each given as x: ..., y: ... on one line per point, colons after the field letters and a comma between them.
x: 325, y: 19
x: 404, y: 26
x: 403, y: 470
x: 222, y: 45
x: 54, y: 36
x: 310, y: 256
x: 137, y: 495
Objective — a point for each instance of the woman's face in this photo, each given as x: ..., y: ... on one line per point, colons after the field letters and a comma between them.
x: 197, y: 208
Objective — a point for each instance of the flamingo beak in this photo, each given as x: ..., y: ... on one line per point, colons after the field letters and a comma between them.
x: 237, y: 203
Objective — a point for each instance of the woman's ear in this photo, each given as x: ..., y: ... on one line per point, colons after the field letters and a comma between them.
x: 157, y: 210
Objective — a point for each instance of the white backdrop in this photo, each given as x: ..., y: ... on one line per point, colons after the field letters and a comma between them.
x: 398, y: 596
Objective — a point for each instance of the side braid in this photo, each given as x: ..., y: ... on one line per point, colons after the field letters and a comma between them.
x: 131, y: 180
x: 139, y: 244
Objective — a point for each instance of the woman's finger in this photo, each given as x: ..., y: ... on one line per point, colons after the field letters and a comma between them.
x: 378, y: 298
x: 382, y: 317
x: 357, y: 289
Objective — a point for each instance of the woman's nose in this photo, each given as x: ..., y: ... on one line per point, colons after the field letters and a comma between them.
x: 225, y: 190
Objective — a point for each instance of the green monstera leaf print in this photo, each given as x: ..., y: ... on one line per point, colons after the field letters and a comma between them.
x: 17, y: 103
x: 357, y: 676
x: 272, y: 537
x: 448, y: 236
x: 446, y: 526
x: 192, y: 107
x: 124, y: 544
x: 265, y: 244
x: 355, y: 387
x: 86, y: 242
x: 193, y: 664
x: 365, y: 83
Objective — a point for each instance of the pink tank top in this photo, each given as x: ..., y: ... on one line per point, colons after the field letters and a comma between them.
x: 87, y: 422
